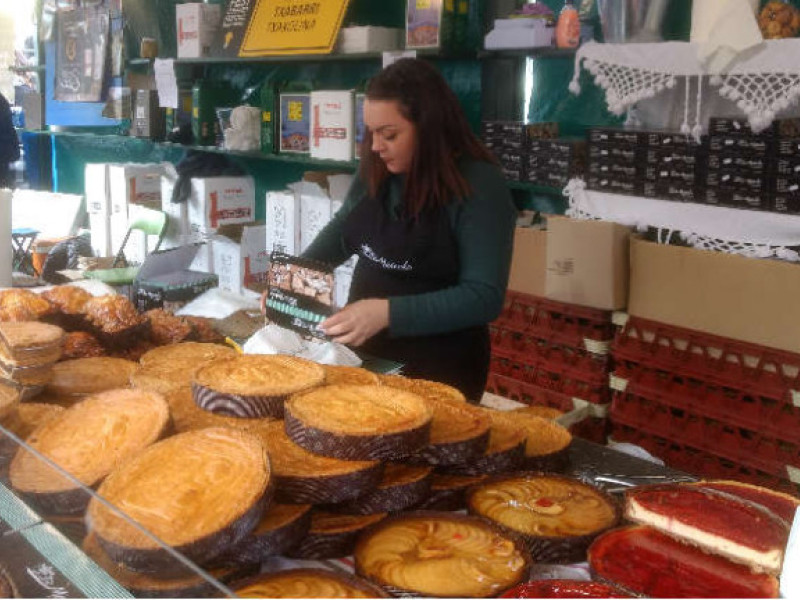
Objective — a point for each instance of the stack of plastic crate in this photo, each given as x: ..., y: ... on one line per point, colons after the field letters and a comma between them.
x: 709, y: 405
x: 554, y: 354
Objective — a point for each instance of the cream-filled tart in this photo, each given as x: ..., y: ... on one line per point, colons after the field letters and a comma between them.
x: 558, y: 517
x: 358, y: 422
x: 201, y: 492
x: 254, y: 385
x: 441, y: 555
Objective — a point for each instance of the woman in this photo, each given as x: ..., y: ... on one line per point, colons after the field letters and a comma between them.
x: 432, y: 222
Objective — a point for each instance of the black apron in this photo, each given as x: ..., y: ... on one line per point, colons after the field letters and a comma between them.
x: 401, y: 257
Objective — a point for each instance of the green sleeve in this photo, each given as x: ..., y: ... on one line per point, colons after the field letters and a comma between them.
x: 328, y: 246
x: 484, y: 229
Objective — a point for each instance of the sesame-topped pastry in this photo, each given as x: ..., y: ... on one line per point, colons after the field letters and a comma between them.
x: 254, y: 385
x: 338, y: 375
x: 303, y: 477
x: 88, y: 441
x: 202, y: 492
x: 358, y: 422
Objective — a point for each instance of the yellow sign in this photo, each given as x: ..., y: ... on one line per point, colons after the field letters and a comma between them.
x: 293, y: 27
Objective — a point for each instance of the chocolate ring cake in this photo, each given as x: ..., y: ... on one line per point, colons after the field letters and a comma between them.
x: 202, y: 492
x: 402, y: 486
x: 253, y: 385
x: 332, y: 535
x: 358, y: 422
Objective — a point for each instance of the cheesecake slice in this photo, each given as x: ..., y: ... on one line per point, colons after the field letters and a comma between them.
x: 718, y: 523
x: 783, y: 505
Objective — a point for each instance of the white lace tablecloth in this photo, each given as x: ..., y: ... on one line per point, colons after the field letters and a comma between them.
x: 761, y: 81
x: 745, y: 232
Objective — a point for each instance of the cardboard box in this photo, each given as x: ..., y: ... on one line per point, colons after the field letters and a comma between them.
x: 748, y: 299
x: 587, y: 263
x: 197, y: 27
x: 98, y: 199
x: 100, y: 231
x: 282, y: 222
x: 240, y: 258
x: 356, y: 40
x: 315, y: 211
x: 134, y: 184
x: 165, y: 281
x: 218, y: 201
x: 177, y: 232
x: 529, y: 261
x: 342, y: 278
x: 295, y: 122
x: 332, y: 125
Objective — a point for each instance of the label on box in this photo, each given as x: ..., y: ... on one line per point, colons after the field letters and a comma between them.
x: 299, y: 293
x: 295, y: 122
x: 729, y: 142
x: 742, y: 162
x: 332, y: 125
x: 283, y: 223
x: 620, y: 153
x: 218, y: 201
x: 615, y: 136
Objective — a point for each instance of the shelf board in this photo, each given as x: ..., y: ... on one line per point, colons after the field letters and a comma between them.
x: 540, y: 52
x: 217, y: 60
x: 534, y: 187
x: 28, y: 69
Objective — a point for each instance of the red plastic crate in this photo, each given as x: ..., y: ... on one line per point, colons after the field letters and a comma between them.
x: 532, y: 346
x: 527, y: 393
x: 699, y: 462
x: 564, y: 324
x: 568, y: 381
x: 744, y: 447
x: 775, y: 418
x: 720, y: 361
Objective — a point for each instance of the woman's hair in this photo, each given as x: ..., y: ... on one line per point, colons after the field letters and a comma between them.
x: 443, y: 136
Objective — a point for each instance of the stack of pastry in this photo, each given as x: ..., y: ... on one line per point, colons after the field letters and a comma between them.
x: 28, y: 350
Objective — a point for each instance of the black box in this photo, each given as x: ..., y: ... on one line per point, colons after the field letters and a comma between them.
x: 736, y: 180
x: 605, y: 135
x: 785, y: 203
x: 788, y: 147
x: 787, y: 167
x: 612, y: 168
x: 736, y: 198
x: 627, y: 154
x: 727, y: 126
x: 172, y: 290
x: 148, y: 118
x: 756, y: 145
x: 673, y: 191
x: 686, y: 157
x: 755, y: 164
x: 615, y: 185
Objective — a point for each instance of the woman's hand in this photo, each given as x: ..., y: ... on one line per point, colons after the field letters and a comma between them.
x: 357, y: 322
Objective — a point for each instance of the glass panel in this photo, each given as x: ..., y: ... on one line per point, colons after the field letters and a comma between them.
x: 48, y: 548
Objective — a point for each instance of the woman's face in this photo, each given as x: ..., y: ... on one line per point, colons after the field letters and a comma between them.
x: 393, y: 136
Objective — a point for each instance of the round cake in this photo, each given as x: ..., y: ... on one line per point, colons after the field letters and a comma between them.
x: 337, y: 375
x: 26, y: 417
x: 505, y: 452
x: 459, y: 433
x: 88, y: 441
x: 30, y: 343
x: 91, y: 375
x: 187, y: 416
x: 9, y: 400
x: 307, y: 583
x: 253, y: 385
x: 202, y: 492
x: 432, y: 390
x: 547, y: 443
x: 358, y: 422
x: 558, y: 517
x: 402, y: 486
x: 441, y: 555
x: 332, y: 535
x: 303, y: 477
x: 186, y: 354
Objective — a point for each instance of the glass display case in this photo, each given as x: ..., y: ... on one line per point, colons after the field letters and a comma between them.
x: 48, y: 549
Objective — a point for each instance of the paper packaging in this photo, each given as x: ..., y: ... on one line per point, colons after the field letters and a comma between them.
x: 747, y: 299
x: 295, y: 122
x: 342, y: 278
x: 134, y: 184
x: 98, y: 200
x: 197, y: 27
x: 283, y: 222
x: 177, y: 232
x: 529, y: 261
x: 240, y: 258
x: 332, y: 125
x: 315, y: 210
x: 218, y: 201
x: 587, y: 263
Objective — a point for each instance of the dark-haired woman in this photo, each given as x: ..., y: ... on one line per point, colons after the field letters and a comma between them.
x: 432, y: 222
